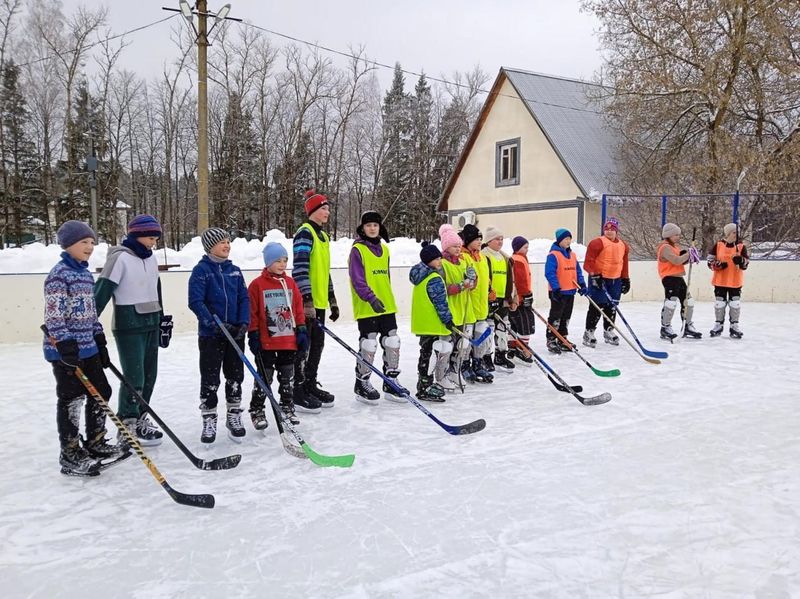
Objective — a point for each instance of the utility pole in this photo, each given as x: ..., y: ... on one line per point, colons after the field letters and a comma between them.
x: 202, y: 116
x: 91, y: 166
x: 201, y: 32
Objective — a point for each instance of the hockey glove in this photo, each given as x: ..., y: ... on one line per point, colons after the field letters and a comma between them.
x: 596, y: 281
x: 302, y: 339
x: 719, y: 265
x: 254, y: 341
x: 738, y: 260
x: 69, y: 352
x: 583, y: 290
x: 626, y: 286
x: 494, y: 306
x: 335, y: 308
x: 375, y: 304
x: 309, y: 310
x: 527, y: 301
x: 100, y: 340
x: 165, y: 330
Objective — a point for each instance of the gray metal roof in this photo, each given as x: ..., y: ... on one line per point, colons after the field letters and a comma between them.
x: 575, y: 125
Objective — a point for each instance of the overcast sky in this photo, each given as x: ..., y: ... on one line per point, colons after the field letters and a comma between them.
x: 437, y: 36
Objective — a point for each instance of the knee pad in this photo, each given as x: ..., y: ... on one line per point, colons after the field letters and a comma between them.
x: 369, y: 345
x: 690, y: 302
x: 442, y: 346
x: 720, y: 303
x: 391, y: 341
x: 735, y: 303
x: 480, y: 327
x: 671, y: 303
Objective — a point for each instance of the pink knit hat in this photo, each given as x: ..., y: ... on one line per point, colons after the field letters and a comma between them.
x: 449, y: 237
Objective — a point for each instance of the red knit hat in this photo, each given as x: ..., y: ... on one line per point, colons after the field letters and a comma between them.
x: 314, y: 201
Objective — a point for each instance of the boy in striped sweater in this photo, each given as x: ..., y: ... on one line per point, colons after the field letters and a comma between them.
x: 72, y: 325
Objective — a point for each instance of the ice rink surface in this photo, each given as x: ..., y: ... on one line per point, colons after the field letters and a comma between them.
x: 687, y: 484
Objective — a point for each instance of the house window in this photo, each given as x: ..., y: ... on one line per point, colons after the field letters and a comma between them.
x: 507, y: 163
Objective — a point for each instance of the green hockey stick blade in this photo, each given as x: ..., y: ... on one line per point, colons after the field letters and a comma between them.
x: 606, y: 373
x: 339, y: 461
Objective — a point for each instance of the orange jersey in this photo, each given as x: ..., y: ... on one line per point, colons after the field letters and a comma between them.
x: 607, y: 258
x: 733, y: 276
x: 522, y: 276
x: 665, y: 267
x: 566, y: 271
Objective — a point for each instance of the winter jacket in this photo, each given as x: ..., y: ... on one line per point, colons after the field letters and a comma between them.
x: 134, y: 285
x: 551, y: 268
x: 435, y: 289
x: 275, y: 311
x: 69, y: 309
x: 355, y: 267
x: 217, y: 288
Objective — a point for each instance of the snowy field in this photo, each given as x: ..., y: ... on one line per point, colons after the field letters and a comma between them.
x: 687, y: 484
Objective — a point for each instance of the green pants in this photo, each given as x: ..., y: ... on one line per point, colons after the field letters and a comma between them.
x: 138, y: 356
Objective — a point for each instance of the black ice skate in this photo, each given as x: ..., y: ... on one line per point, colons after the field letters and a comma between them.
x: 365, y: 392
x: 481, y: 374
x: 259, y: 419
x: 735, y: 332
x: 314, y: 389
x: 76, y: 461
x: 233, y: 422
x: 589, y: 340
x: 689, y: 332
x: 388, y: 391
x: 502, y: 362
x: 553, y: 346
x: 427, y: 390
x: 287, y: 407
x: 209, y: 433
x: 668, y: 334
x: 717, y: 330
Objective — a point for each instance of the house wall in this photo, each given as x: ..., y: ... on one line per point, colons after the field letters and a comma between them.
x: 543, y: 177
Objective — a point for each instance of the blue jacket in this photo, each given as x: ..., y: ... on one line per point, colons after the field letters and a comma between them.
x: 218, y: 289
x: 550, y: 267
x: 435, y: 289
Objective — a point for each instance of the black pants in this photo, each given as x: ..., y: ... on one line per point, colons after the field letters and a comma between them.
x: 728, y: 293
x: 560, y: 313
x: 425, y: 352
x: 306, y: 364
x: 70, y: 392
x: 676, y: 287
x: 383, y: 324
x: 216, y: 352
x: 267, y: 362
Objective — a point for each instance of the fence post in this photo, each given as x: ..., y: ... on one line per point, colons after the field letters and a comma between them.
x: 663, y: 210
x: 603, y: 214
x: 736, y: 207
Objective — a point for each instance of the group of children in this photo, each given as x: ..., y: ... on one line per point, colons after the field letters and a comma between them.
x: 472, y: 309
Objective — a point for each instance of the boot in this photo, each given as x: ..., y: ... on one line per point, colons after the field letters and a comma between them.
x: 233, y: 422
x: 690, y: 332
x: 553, y: 346
x: 735, y: 332
x: 589, y: 340
x: 481, y: 374
x: 427, y: 390
x: 76, y: 461
x: 501, y: 361
x: 365, y: 392
x: 717, y: 330
x: 209, y: 434
x: 610, y: 337
x: 667, y: 333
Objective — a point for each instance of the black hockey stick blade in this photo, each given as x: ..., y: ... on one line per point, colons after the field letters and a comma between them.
x: 203, y: 500
x: 225, y: 463
x: 563, y: 388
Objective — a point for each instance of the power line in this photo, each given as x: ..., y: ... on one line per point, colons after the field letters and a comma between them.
x: 414, y: 73
x: 97, y: 43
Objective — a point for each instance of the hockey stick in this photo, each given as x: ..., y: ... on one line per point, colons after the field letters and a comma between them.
x: 574, y: 349
x: 595, y: 400
x: 342, y: 461
x: 464, y: 429
x: 621, y: 334
x: 225, y: 463
x: 203, y: 500
x: 473, y: 342
x: 290, y: 447
x: 661, y: 355
x: 688, y: 284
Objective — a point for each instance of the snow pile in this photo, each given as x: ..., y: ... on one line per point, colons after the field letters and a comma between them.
x: 40, y: 258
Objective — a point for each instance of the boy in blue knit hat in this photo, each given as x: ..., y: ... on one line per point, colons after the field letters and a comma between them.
x: 564, y: 277
x: 216, y: 288
x: 72, y: 325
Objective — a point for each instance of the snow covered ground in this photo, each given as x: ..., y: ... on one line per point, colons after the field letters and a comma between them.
x: 687, y: 484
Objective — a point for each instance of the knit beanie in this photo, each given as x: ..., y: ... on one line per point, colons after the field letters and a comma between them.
x: 371, y: 216
x: 470, y: 233
x: 212, y: 237
x: 314, y: 201
x: 274, y: 251
x: 670, y: 230
x: 518, y: 242
x: 72, y: 231
x: 562, y: 234
x: 492, y: 233
x: 728, y: 229
x: 144, y: 225
x: 449, y: 237
x: 611, y: 223
x: 429, y: 252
